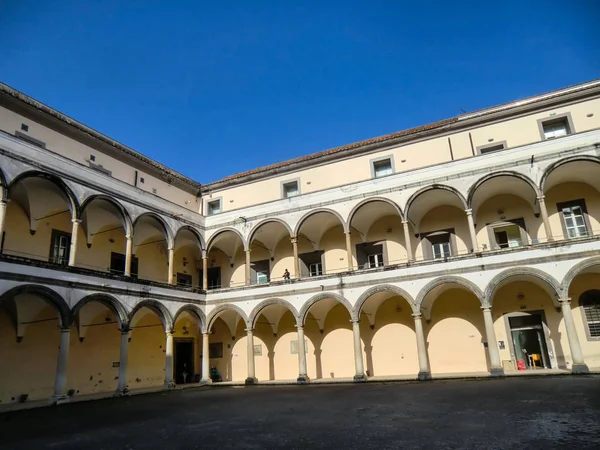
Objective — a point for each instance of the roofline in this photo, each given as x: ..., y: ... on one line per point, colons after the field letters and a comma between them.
x: 152, y: 164
x: 402, y: 137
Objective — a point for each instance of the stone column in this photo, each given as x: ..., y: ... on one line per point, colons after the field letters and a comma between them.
x: 302, y: 375
x: 579, y: 365
x: 349, y: 250
x: 60, y: 381
x: 407, y: 242
x: 424, y: 371
x: 169, y: 383
x: 128, y: 254
x: 248, y: 267
x: 74, y: 236
x: 474, y: 243
x: 122, y: 385
x: 205, y: 359
x: 170, y: 277
x: 3, y: 205
x: 358, y: 358
x: 492, y: 344
x: 251, y: 372
x: 544, y: 213
x: 296, y: 262
x: 205, y: 272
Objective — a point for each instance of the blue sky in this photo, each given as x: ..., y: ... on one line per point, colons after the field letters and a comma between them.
x: 215, y: 88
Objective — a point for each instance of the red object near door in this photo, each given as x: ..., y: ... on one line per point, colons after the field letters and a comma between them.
x: 521, y: 364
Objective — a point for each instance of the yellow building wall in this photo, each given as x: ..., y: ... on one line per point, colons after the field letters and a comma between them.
x: 441, y: 218
x: 393, y: 240
x: 146, y: 357
x: 336, y: 349
x: 28, y: 367
x: 455, y: 334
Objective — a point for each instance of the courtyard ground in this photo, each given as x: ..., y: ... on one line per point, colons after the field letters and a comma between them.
x: 512, y: 413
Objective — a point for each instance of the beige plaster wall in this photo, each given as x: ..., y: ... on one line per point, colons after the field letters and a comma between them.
x: 455, y: 334
x: 441, y: 218
x: 146, y: 366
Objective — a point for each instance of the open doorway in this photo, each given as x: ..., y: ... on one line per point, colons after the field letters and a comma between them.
x: 184, y: 361
x: 528, y: 339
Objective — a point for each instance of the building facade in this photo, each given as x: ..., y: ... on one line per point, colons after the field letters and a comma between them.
x: 469, y: 245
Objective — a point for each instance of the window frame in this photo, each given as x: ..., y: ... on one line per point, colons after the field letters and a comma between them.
x: 566, y: 117
x: 215, y: 348
x: 427, y: 246
x: 584, y: 317
x: 485, y: 149
x: 379, y: 159
x: 586, y: 220
x: 213, y: 200
x: 286, y: 182
x: 519, y: 221
x: 53, y: 236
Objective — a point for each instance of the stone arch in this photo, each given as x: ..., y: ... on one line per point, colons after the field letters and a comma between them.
x: 469, y: 285
x: 107, y: 300
x: 166, y: 228
x: 127, y: 222
x: 322, y: 296
x: 576, y: 270
x: 210, y: 242
x: 502, y: 173
x: 495, y: 282
x: 215, y: 313
x: 316, y: 211
x: 71, y: 198
x: 161, y: 311
x: 380, y: 288
x: 557, y: 164
x: 432, y: 187
x: 193, y: 310
x: 374, y: 199
x: 64, y: 313
x: 195, y: 232
x: 271, y: 301
x: 262, y: 222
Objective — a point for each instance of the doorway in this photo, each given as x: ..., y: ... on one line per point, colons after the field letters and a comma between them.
x: 184, y: 361
x: 528, y: 338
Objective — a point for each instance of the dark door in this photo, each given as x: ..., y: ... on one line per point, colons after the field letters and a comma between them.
x: 213, y: 277
x: 502, y: 239
x: 184, y: 280
x: 184, y: 361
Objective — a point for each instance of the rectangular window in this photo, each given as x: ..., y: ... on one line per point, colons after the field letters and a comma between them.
x: 184, y: 280
x: 574, y: 218
x: 508, y: 236
x: 438, y: 244
x: 375, y: 260
x: 29, y: 139
x: 215, y: 350
x: 382, y: 168
x: 213, y: 207
x: 491, y: 148
x: 441, y: 249
x: 290, y: 189
x: 315, y: 269
x: 61, y: 244
x: 556, y: 128
x: 259, y: 271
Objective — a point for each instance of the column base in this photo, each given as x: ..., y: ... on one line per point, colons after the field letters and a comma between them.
x: 497, y: 372
x: 169, y: 386
x: 424, y: 376
x: 122, y: 392
x: 59, y: 399
x: 580, y: 368
x: 303, y: 379
x: 251, y: 380
x: 207, y: 381
x: 360, y: 378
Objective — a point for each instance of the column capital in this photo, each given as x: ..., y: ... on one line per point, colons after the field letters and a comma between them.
x: 299, y: 327
x: 486, y: 307
x: 566, y: 300
x: 171, y: 249
x: 170, y: 333
x: 353, y: 321
x: 76, y: 221
x: 294, y: 239
x: 125, y: 330
x: 128, y: 237
x: 417, y: 316
x: 4, y: 201
x: 65, y: 329
x: 541, y: 198
x: 249, y: 330
x: 206, y: 334
x: 348, y: 232
x: 469, y: 211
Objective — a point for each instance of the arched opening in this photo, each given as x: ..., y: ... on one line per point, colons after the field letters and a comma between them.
x: 187, y: 260
x: 101, y: 242
x: 275, y: 326
x: 329, y: 338
x: 572, y: 196
x: 271, y: 252
x: 506, y: 212
x: 151, y: 243
x: 148, y: 321
x: 30, y: 321
x: 187, y: 345
x: 527, y: 320
x: 226, y: 260
x: 95, y: 348
x: 228, y: 344
x: 387, y: 330
x: 39, y: 219
x: 378, y: 226
x: 454, y: 329
x: 322, y: 244
x: 437, y: 215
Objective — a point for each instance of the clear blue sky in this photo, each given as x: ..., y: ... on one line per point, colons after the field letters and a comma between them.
x: 214, y: 88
